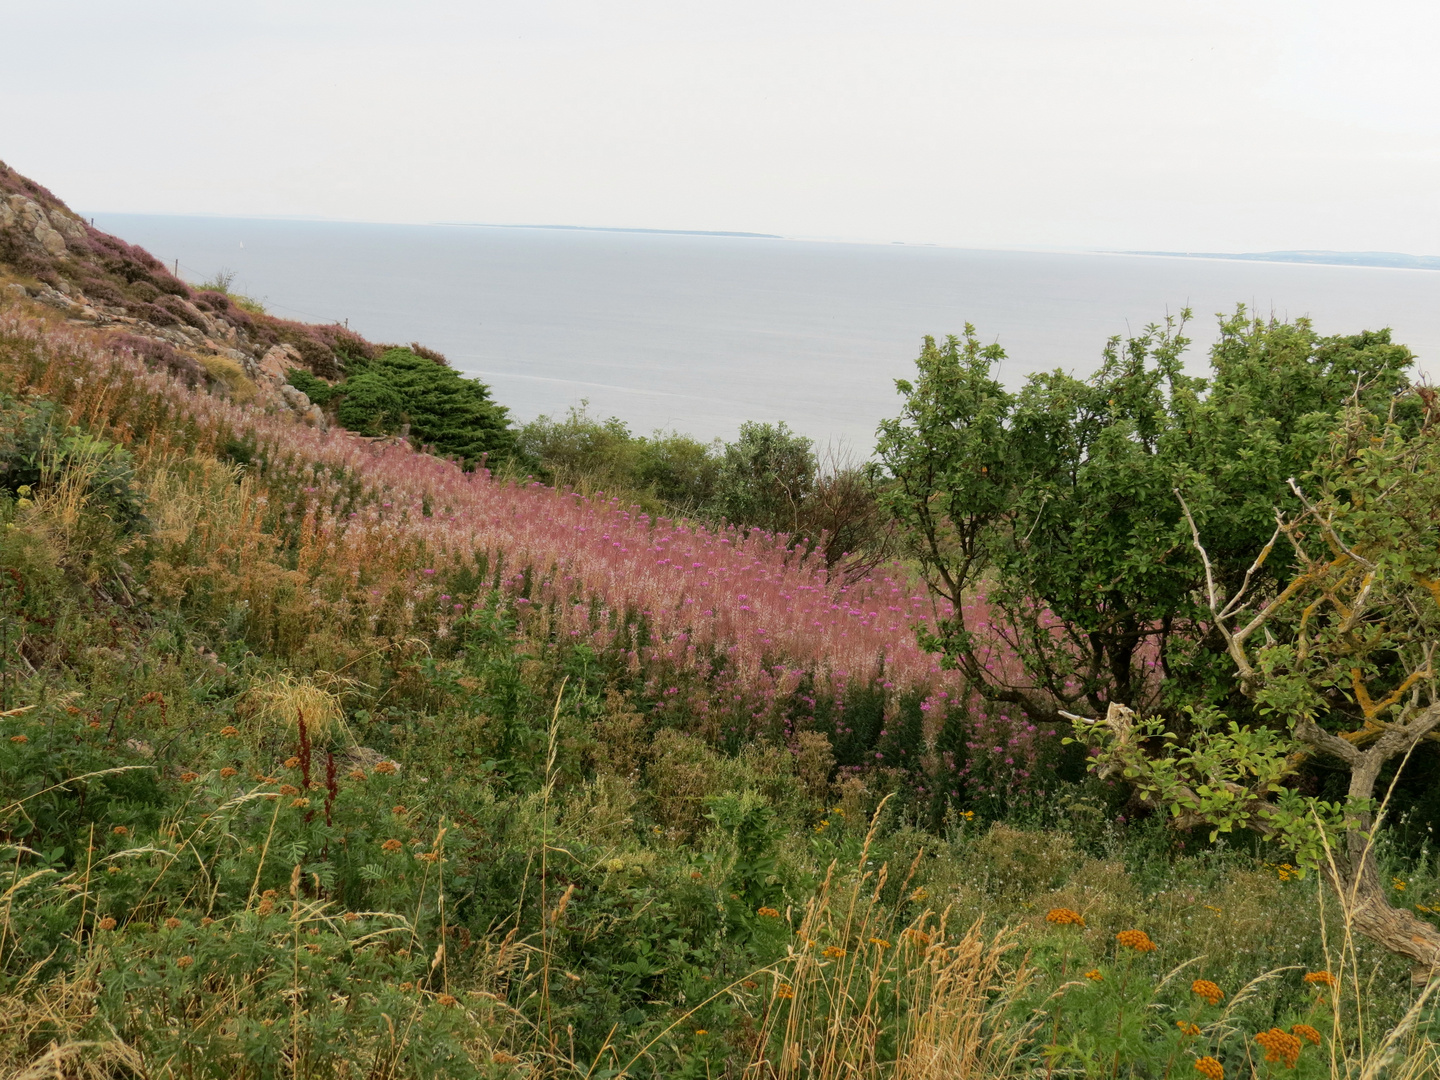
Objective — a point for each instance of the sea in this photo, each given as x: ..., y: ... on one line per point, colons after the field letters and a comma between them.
x: 699, y: 333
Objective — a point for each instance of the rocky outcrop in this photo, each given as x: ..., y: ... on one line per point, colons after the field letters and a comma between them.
x: 32, y: 222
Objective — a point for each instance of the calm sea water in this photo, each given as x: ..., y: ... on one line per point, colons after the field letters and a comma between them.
x: 701, y: 333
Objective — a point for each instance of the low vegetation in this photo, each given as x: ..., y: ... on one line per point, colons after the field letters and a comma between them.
x: 324, y: 758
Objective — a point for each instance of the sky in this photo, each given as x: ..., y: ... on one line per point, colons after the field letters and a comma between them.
x: 1190, y: 125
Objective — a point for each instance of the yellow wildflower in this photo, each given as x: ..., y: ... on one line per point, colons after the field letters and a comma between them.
x: 1308, y: 1033
x: 1064, y: 916
x: 1209, y: 1068
x: 1094, y: 975
x: 1280, y: 1046
x: 1207, y: 990
x: 1137, y: 940
x: 1187, y: 1028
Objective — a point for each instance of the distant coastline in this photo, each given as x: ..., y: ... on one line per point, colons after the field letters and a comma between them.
x: 1390, y: 259
x: 619, y: 229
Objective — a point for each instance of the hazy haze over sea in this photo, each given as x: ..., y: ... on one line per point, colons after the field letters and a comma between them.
x: 700, y: 333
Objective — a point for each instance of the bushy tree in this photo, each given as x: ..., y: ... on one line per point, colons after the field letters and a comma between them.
x: 1340, y: 661
x: 1059, y: 498
x: 588, y: 454
x: 445, y: 411
x: 765, y: 475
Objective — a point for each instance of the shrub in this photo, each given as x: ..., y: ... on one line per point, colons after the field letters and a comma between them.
x: 764, y: 477
x: 317, y: 390
x: 445, y: 410
x: 371, y: 405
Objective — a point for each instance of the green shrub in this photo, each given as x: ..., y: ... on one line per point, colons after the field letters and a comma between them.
x: 446, y: 411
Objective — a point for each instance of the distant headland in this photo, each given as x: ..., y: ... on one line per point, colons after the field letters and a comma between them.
x: 621, y: 229
x: 1392, y: 259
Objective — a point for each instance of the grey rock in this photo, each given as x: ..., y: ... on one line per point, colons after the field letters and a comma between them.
x: 50, y: 240
x: 67, y: 225
x: 296, y: 399
x: 15, y: 290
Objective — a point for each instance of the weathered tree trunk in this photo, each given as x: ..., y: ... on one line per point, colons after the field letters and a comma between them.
x: 1354, y: 875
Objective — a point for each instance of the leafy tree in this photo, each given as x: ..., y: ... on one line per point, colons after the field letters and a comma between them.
x: 588, y: 454
x: 446, y: 411
x: 764, y: 477
x: 1058, y: 500
x: 1341, y: 662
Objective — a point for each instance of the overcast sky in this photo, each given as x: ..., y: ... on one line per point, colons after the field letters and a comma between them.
x: 1154, y: 124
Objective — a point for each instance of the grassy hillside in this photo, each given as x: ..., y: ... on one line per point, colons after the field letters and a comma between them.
x: 322, y: 757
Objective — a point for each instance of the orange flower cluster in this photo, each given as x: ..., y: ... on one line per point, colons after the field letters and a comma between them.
x: 229, y: 731
x: 1207, y: 990
x: 172, y: 923
x: 189, y: 777
x: 1063, y: 916
x: 1187, y: 1028
x: 1280, y: 1046
x: 289, y: 789
x: 120, y: 830
x: 784, y: 991
x: 1209, y: 1068
x: 447, y: 1000
x: 385, y: 767
x: 1137, y: 940
x: 832, y: 952
x: 227, y: 772
x: 107, y: 923
x: 391, y: 845
x: 1322, y: 978
x: 184, y: 961
x: 767, y: 913
x: 881, y: 942
x: 1094, y: 975
x: 292, y: 762
x: 1306, y: 1032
